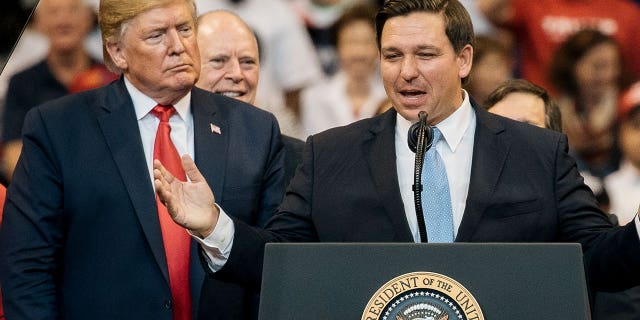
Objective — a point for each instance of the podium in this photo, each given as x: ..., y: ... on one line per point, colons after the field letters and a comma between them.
x: 359, y: 280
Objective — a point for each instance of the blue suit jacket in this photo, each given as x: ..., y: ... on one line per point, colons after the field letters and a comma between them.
x: 81, y: 238
x: 524, y: 187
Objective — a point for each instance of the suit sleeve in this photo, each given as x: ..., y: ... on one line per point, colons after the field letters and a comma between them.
x: 33, y: 230
x: 612, y: 254
x: 293, y: 223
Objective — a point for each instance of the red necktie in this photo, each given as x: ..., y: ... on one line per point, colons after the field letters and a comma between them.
x: 175, y: 238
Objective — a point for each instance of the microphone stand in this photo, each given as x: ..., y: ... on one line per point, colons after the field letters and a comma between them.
x: 420, y: 139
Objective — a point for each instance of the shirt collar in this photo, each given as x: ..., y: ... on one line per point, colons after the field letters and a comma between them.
x: 143, y: 103
x: 453, y: 127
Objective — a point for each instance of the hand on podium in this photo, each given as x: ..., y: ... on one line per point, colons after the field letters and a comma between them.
x: 191, y: 204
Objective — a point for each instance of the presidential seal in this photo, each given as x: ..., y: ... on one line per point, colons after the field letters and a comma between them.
x: 423, y: 296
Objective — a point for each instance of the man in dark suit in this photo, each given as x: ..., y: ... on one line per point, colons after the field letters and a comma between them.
x: 230, y: 62
x: 83, y: 235
x: 508, y: 181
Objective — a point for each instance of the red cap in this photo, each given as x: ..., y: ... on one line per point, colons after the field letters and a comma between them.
x: 629, y: 101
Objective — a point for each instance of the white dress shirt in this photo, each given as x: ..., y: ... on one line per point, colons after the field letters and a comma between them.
x: 456, y: 150
x: 182, y: 137
x: 181, y: 124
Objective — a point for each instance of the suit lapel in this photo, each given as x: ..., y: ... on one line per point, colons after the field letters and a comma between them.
x: 211, y: 146
x: 489, y: 154
x: 120, y: 129
x: 379, y: 149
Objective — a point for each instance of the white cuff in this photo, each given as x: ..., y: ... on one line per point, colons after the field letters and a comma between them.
x: 217, y: 245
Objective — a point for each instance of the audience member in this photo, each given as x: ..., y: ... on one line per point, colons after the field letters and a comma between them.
x: 524, y: 101
x: 33, y: 46
x: 289, y: 59
x: 624, y: 184
x: 230, y: 65
x: 66, y: 24
x: 355, y: 91
x: 587, y: 72
x: 288, y: 118
x: 508, y: 181
x: 492, y: 66
x: 319, y: 16
x: 623, y: 188
x: 539, y: 27
x: 83, y: 235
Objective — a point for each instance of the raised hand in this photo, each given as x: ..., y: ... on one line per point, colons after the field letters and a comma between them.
x: 191, y: 204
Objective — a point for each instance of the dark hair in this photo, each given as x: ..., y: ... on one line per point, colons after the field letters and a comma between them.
x: 552, y: 117
x: 358, y: 12
x: 562, y: 73
x: 458, y: 26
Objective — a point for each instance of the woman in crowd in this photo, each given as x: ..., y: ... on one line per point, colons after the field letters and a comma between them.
x: 587, y: 72
x: 356, y: 91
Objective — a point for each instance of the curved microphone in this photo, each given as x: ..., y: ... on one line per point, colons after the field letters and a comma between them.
x: 412, y: 137
x: 420, y: 139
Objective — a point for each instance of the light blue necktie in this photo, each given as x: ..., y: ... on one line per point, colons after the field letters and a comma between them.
x: 436, y: 200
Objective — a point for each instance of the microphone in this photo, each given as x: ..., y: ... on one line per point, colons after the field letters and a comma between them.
x: 420, y: 139
x: 412, y: 137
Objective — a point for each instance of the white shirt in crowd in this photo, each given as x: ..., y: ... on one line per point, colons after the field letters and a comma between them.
x: 326, y: 104
x: 623, y: 188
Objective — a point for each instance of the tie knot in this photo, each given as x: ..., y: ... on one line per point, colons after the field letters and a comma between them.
x: 163, y: 112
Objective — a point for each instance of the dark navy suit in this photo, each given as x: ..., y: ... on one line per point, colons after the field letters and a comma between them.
x: 524, y: 187
x: 80, y: 236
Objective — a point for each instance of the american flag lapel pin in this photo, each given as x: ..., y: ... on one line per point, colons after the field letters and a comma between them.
x: 215, y: 129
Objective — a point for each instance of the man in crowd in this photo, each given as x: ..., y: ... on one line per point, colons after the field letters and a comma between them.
x: 524, y: 101
x: 231, y: 66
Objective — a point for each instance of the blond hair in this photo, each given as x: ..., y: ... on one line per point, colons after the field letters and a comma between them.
x: 114, y: 15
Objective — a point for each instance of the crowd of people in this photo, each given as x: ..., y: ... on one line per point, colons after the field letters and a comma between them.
x: 569, y: 66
